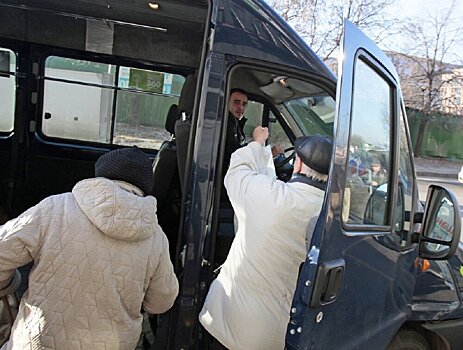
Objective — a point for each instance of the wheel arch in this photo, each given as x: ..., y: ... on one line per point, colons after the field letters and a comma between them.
x: 434, y: 339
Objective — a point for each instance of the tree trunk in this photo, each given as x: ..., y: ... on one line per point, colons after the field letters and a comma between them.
x: 135, y: 113
x: 419, y: 139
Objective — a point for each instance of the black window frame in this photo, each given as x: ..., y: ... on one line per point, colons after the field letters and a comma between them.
x: 5, y: 134
x: 394, y: 88
x: 40, y: 56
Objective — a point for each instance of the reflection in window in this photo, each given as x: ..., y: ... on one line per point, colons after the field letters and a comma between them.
x: 253, y: 114
x: 406, y: 183
x: 314, y: 114
x: 440, y: 222
x: 99, y: 102
x: 366, y: 195
x: 277, y: 133
x: 443, y: 228
x: 8, y: 89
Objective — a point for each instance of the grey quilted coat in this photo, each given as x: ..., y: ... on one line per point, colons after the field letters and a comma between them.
x: 99, y: 256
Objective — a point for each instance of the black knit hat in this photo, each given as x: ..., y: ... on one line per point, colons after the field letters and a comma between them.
x: 315, y: 152
x: 129, y: 165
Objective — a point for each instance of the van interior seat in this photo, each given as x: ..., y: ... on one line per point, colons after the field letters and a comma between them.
x: 166, y: 184
x: 226, y: 230
x: 165, y: 163
x: 183, y: 124
x: 172, y: 115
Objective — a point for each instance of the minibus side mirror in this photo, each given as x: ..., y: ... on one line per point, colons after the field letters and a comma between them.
x: 440, y: 229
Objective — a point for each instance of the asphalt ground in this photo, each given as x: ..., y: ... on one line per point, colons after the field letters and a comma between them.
x: 437, y: 168
x: 451, y: 184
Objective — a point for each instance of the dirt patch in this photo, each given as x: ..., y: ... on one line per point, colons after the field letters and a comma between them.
x: 438, y: 165
x: 152, y: 138
x: 141, y: 136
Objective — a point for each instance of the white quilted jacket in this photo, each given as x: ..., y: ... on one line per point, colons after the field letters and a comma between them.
x: 248, y: 304
x: 99, y: 256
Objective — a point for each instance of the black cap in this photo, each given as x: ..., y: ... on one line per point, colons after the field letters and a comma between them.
x: 315, y: 152
x: 129, y: 165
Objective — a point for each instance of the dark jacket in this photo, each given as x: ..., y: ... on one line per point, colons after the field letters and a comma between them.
x: 235, y: 138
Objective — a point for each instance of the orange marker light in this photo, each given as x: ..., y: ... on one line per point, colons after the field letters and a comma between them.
x: 425, y: 265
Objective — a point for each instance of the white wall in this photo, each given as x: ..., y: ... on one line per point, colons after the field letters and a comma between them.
x: 77, y: 111
x: 7, y: 103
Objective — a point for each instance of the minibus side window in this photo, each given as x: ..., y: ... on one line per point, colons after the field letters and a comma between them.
x: 106, y: 103
x: 8, y: 89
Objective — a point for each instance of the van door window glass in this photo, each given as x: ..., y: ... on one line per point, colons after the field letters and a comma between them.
x: 314, y: 114
x: 307, y: 108
x: 277, y: 133
x: 254, y: 114
x: 366, y: 195
x: 406, y: 183
x: 8, y: 89
x: 105, y: 103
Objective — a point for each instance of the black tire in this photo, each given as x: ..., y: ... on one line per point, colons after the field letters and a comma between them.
x: 409, y: 339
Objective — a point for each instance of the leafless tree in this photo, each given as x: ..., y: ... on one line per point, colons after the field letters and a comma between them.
x: 429, y: 84
x: 319, y: 22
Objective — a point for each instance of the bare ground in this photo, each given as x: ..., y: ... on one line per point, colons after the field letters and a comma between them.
x: 438, y: 166
x: 152, y: 138
x: 142, y: 136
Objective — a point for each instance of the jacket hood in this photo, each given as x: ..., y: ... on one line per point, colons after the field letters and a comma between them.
x: 116, y: 208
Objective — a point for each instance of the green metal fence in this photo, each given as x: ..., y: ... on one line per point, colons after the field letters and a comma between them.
x: 443, y: 135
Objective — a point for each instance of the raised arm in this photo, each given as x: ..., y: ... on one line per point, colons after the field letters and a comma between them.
x: 249, y: 173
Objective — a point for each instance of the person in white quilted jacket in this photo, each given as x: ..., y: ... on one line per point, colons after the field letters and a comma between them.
x: 248, y: 304
x: 98, y: 256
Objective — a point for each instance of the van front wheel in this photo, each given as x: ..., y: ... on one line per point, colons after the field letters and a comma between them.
x: 408, y: 339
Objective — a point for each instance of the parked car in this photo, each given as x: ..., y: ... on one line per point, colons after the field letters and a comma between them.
x: 84, y: 77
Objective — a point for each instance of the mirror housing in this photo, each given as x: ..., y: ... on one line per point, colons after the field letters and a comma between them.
x: 440, y: 229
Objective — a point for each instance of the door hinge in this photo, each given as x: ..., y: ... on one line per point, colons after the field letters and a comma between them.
x: 34, y: 98
x: 32, y: 126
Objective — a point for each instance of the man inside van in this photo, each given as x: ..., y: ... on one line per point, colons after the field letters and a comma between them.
x: 248, y: 304
x: 235, y: 123
x: 236, y: 138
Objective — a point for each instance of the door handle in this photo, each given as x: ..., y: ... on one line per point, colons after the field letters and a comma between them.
x: 328, y: 283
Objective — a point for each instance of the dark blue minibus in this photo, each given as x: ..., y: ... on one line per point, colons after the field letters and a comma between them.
x: 80, y: 78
